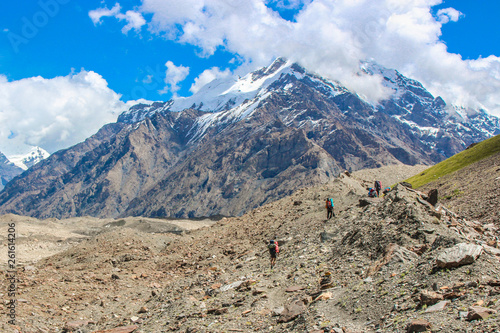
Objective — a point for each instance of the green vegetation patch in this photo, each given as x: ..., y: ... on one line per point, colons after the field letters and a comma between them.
x: 469, y: 156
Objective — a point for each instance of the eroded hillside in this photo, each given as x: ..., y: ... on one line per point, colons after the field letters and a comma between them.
x: 374, y: 267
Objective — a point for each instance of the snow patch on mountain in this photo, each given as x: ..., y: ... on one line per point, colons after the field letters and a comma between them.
x: 423, y: 130
x: 225, y: 94
x: 26, y: 161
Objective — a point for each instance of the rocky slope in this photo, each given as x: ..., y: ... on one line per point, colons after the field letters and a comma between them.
x: 239, y: 144
x: 380, y: 265
x: 471, y: 193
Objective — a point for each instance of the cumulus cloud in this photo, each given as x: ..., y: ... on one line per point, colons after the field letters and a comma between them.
x: 134, y: 19
x: 331, y: 37
x: 173, y: 76
x: 97, y: 14
x: 54, y: 113
x: 448, y: 14
x: 208, y: 76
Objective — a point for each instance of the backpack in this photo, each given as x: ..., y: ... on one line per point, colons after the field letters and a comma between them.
x: 272, y: 247
x: 378, y: 185
x: 329, y: 203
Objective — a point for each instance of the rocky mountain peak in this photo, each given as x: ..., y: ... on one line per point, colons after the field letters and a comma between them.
x: 239, y: 143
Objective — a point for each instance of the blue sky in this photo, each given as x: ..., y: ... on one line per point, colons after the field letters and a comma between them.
x: 67, y: 67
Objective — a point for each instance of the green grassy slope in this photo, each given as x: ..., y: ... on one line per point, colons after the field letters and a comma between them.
x: 474, y: 154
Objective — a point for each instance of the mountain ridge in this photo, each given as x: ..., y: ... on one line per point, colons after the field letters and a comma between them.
x: 297, y: 130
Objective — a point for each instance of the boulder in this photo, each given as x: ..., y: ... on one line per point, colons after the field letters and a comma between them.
x: 429, y: 297
x: 418, y: 326
x: 479, y: 312
x: 432, y: 197
x: 458, y: 255
x: 292, y: 311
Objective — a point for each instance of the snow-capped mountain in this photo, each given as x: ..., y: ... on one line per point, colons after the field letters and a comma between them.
x: 25, y: 161
x: 240, y: 143
x: 426, y: 116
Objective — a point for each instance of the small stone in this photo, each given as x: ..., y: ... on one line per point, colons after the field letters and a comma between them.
x: 277, y: 311
x: 258, y: 291
x: 217, y: 312
x: 324, y: 296
x: 143, y: 310
x: 294, y: 289
x: 122, y: 329
x: 71, y: 326
x: 244, y: 313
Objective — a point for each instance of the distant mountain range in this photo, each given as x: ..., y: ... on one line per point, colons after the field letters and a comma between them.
x: 240, y: 143
x: 15, y: 165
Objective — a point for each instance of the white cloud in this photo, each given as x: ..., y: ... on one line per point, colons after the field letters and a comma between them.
x: 331, y: 37
x: 134, y: 19
x: 54, y: 113
x: 208, y: 76
x: 97, y: 14
x: 173, y: 76
x: 448, y: 14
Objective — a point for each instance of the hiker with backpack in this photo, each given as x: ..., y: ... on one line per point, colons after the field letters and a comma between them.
x: 329, y: 208
x: 273, y: 251
x: 378, y: 187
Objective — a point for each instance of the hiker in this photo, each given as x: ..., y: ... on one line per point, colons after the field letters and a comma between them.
x: 386, y: 190
x: 372, y: 193
x: 329, y: 208
x: 273, y: 251
x: 378, y: 187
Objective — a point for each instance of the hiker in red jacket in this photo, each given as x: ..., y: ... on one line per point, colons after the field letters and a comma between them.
x: 329, y: 208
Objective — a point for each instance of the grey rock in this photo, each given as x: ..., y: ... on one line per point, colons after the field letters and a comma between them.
x: 326, y: 236
x: 292, y: 311
x: 458, y: 255
x: 437, y: 307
